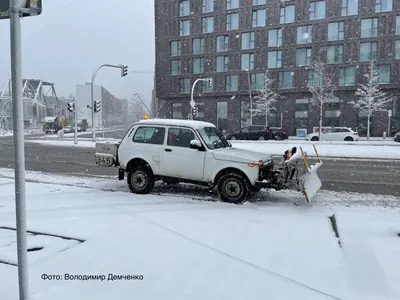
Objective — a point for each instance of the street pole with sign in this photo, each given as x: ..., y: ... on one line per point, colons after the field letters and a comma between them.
x: 14, y: 10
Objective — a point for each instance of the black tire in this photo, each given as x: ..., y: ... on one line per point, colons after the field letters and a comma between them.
x: 233, y: 138
x: 279, y: 138
x: 262, y: 138
x: 141, y: 180
x: 348, y: 139
x: 315, y: 138
x: 233, y: 188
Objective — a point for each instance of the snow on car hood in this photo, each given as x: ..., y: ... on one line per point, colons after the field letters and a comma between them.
x: 240, y: 155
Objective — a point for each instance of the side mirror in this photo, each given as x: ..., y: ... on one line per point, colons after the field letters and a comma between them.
x: 195, y: 144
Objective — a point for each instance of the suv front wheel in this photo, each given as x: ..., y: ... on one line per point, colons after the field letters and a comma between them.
x: 141, y: 180
x: 233, y: 188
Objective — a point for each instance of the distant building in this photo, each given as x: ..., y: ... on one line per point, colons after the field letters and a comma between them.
x: 111, y: 107
x: 234, y: 42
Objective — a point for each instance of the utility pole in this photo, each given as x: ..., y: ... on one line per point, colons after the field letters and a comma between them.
x: 192, y: 102
x: 148, y: 110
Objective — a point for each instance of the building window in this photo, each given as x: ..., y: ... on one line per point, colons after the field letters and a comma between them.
x: 198, y: 46
x: 231, y: 83
x: 184, y: 8
x: 397, y: 50
x: 247, y: 40
x: 287, y: 14
x: 301, y: 113
x: 259, y: 18
x: 232, y: 21
x: 184, y: 85
x: 257, y: 81
x: 222, y: 116
x: 184, y: 27
x: 275, y: 38
x: 349, y: 8
x: 175, y: 48
x: 247, y: 61
x: 259, y: 2
x: 313, y: 79
x: 222, y: 63
x: 304, y: 34
x: 303, y: 57
x: 275, y: 59
x: 175, y: 67
x: 177, y: 111
x: 368, y: 51
x: 384, y: 74
x: 285, y: 80
x: 207, y: 24
x: 347, y: 76
x: 208, y: 6
x: 317, y: 10
x: 332, y: 113
x: 384, y: 5
x: 222, y: 43
x: 198, y: 65
x: 206, y: 87
x: 398, y: 25
x: 335, y: 54
x: 336, y: 31
x: 369, y: 28
x: 232, y: 4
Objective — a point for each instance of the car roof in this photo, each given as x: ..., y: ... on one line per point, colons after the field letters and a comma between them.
x: 176, y: 122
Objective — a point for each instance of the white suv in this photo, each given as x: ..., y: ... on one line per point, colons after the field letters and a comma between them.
x: 334, y: 134
x: 188, y: 151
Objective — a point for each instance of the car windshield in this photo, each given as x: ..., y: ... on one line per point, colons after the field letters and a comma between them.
x: 213, y: 138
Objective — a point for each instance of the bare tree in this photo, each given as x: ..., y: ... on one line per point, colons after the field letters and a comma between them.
x: 136, y: 108
x: 265, y: 101
x: 370, y: 96
x: 322, y: 89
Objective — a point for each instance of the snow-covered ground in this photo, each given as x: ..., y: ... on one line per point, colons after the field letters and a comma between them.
x: 187, y: 248
x: 325, y: 149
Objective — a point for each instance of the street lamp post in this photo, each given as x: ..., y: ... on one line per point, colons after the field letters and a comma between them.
x: 192, y: 103
x: 251, y: 97
x: 148, y: 110
x: 123, y: 73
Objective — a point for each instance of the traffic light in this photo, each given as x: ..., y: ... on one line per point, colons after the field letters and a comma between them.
x: 195, y: 111
x: 97, y: 106
x: 124, y: 70
x: 71, y: 106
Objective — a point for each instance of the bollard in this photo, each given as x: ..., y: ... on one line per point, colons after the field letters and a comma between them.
x: 384, y: 135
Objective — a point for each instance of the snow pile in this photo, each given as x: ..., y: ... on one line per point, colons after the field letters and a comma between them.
x: 324, y: 150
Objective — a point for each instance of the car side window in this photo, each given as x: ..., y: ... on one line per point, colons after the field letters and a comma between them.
x: 149, y: 135
x: 245, y: 129
x: 180, y: 137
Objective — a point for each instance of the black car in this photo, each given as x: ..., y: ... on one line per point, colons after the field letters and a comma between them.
x: 279, y: 133
x: 254, y: 132
x: 397, y: 137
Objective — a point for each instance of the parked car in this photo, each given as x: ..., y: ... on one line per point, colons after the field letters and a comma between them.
x: 279, y: 133
x: 253, y: 132
x: 397, y: 137
x: 334, y: 134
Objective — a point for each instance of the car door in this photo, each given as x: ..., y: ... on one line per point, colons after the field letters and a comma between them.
x: 243, y: 134
x: 178, y: 159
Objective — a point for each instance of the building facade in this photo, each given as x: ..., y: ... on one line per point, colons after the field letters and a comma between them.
x: 235, y: 41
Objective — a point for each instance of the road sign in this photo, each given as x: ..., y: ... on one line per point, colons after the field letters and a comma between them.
x: 390, y: 113
x: 31, y: 8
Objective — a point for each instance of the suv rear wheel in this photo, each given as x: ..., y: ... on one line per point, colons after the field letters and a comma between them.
x: 233, y: 188
x: 349, y: 139
x: 141, y: 180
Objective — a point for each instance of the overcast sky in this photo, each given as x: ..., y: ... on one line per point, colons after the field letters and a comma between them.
x: 67, y: 42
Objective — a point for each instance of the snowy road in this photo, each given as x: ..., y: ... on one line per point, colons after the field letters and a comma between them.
x: 367, y: 176
x: 191, y: 249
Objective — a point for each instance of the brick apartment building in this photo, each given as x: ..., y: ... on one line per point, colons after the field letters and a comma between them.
x: 235, y: 41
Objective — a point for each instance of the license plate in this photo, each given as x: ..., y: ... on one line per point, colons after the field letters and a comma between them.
x: 104, y: 160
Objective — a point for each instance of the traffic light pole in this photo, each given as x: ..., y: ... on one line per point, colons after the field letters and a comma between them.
x: 122, y: 67
x: 76, y: 123
x: 19, y: 150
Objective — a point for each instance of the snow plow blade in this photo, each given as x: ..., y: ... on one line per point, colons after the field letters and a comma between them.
x: 309, y: 183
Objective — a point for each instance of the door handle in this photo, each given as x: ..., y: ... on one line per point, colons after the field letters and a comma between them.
x: 168, y: 150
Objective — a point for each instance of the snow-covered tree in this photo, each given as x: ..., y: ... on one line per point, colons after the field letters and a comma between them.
x: 321, y: 87
x: 264, y: 102
x: 370, y: 97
